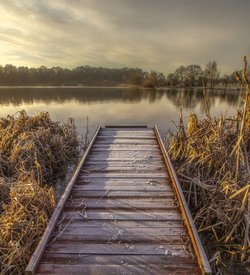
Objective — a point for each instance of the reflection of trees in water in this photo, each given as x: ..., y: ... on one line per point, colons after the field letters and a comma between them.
x: 17, y: 96
x: 186, y: 98
x: 190, y: 99
x: 230, y: 97
x: 60, y: 95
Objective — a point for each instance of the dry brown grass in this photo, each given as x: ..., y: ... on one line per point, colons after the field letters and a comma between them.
x: 34, y: 152
x: 212, y: 158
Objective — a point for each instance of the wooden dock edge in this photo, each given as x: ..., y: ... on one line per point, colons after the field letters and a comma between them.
x: 192, y: 231
x: 126, y: 126
x: 31, y: 267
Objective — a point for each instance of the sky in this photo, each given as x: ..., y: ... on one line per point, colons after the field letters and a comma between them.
x: 150, y: 34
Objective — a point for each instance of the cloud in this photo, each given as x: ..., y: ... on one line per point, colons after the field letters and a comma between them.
x: 159, y: 35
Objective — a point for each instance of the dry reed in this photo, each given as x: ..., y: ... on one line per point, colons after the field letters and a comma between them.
x: 34, y: 152
x: 212, y: 158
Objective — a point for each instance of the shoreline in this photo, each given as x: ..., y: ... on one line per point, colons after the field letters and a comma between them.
x: 115, y: 87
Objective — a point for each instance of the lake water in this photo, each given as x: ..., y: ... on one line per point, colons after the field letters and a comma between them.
x: 115, y: 105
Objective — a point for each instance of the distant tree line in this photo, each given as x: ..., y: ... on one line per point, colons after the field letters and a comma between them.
x: 85, y: 75
x: 195, y: 76
x: 183, y: 76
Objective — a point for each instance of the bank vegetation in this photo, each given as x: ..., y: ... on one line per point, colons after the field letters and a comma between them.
x: 212, y: 159
x: 34, y: 152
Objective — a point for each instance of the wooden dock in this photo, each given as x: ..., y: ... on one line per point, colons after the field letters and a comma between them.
x: 123, y: 212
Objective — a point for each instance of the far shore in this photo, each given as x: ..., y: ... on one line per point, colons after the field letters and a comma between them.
x: 114, y: 87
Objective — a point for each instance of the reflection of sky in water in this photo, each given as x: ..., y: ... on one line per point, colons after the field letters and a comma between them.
x: 115, y: 106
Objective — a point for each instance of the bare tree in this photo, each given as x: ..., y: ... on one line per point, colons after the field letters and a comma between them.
x: 180, y: 74
x: 194, y: 74
x: 212, y: 73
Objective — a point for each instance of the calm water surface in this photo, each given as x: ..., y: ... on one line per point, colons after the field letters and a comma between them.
x: 115, y: 105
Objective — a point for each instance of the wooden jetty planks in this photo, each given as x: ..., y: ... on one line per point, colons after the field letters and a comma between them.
x: 116, y: 259
x: 120, y: 213
x: 118, y: 269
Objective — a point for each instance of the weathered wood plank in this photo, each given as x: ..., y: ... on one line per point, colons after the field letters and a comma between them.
x: 85, y: 259
x: 128, y: 146
x: 122, y: 126
x: 143, y: 137
x: 126, y: 154
x: 121, y: 169
x: 122, y: 143
x: 114, y: 187
x: 114, y: 249
x: 127, y: 150
x: 127, y: 134
x: 124, y: 132
x: 127, y: 162
x: 103, y: 137
x: 123, y: 194
x: 133, y: 174
x: 157, y: 183
x: 117, y: 269
x: 74, y: 229
x: 147, y: 151
x: 123, y: 165
x: 106, y: 203
x: 106, y: 234
x: 127, y: 130
x: 72, y: 201
x: 122, y: 224
x: 135, y: 152
x: 120, y: 238
x: 126, y: 166
x: 103, y: 204
x: 124, y: 181
x: 129, y: 142
x: 122, y: 184
x: 100, y: 158
x: 126, y: 159
x: 114, y: 214
x: 108, y: 140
